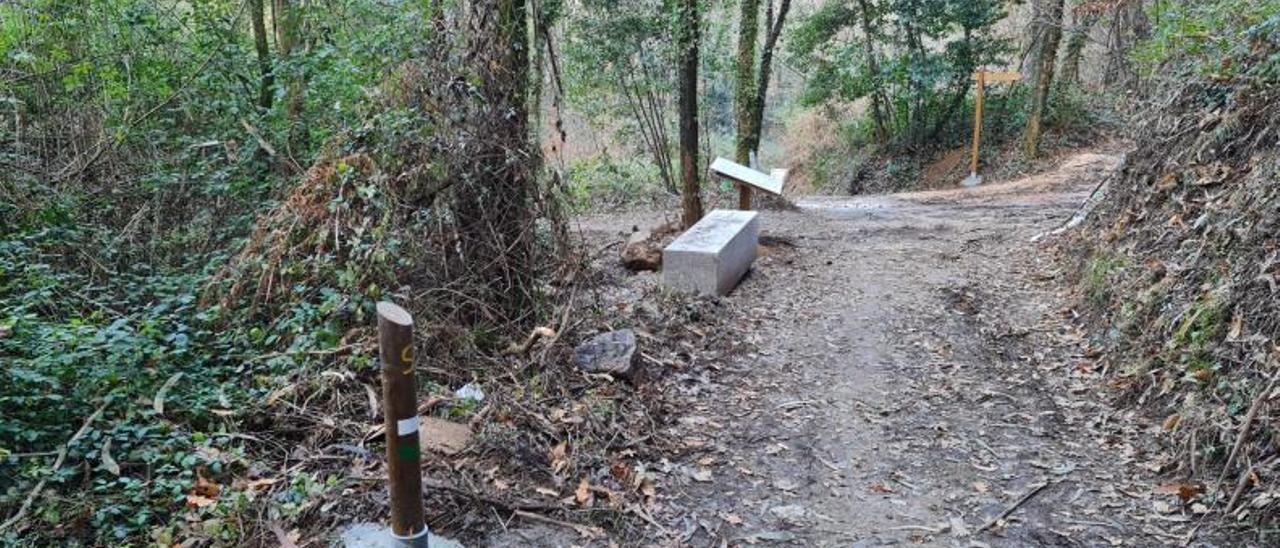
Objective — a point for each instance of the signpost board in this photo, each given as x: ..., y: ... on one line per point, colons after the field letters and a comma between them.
x: 747, y: 179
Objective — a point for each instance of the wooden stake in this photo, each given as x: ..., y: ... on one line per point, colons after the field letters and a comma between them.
x: 977, y: 121
x: 744, y: 190
x: 399, y: 395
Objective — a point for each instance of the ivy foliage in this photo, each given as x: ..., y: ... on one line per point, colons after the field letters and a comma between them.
x: 136, y: 163
x: 1213, y: 38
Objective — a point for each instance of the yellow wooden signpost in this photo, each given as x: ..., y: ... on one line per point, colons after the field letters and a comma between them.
x: 982, y: 77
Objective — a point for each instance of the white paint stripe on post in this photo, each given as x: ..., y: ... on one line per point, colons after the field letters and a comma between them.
x: 404, y: 427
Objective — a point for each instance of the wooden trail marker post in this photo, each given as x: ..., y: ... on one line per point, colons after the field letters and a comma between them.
x: 982, y: 77
x: 746, y: 179
x: 400, y: 405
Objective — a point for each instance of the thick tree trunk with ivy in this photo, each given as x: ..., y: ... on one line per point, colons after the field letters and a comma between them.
x: 687, y: 42
x: 266, y: 85
x: 493, y: 204
x: 752, y: 90
x: 1046, y: 34
x: 766, y: 70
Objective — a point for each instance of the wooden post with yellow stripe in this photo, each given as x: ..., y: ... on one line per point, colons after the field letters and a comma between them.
x: 400, y: 409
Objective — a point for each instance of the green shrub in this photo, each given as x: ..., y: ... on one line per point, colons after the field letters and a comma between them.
x: 609, y: 182
x: 1100, y: 278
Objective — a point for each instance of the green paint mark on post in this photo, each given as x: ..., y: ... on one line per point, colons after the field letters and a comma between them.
x: 409, y: 451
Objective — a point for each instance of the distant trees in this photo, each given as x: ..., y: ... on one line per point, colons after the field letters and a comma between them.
x: 911, y: 58
x: 619, y: 60
x: 288, y: 25
x: 1083, y: 19
x: 1046, y: 33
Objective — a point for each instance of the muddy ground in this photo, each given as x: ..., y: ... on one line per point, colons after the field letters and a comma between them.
x: 915, y: 376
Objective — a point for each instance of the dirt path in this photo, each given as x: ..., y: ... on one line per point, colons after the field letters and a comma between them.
x: 916, y: 382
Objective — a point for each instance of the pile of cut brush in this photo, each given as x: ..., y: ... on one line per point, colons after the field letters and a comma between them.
x: 1182, y: 272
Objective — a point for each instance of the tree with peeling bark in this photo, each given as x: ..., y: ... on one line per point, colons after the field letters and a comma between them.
x: 687, y: 41
x: 1046, y: 33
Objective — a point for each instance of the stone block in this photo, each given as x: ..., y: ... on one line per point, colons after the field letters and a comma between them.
x: 713, y: 255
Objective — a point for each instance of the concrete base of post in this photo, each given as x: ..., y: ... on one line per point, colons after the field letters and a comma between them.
x: 372, y: 535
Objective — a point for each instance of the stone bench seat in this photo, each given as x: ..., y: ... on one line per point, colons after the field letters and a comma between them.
x: 713, y: 255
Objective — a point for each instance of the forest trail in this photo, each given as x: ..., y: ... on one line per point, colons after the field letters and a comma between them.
x: 917, y: 376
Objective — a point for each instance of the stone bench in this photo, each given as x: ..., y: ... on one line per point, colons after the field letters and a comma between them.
x: 713, y: 255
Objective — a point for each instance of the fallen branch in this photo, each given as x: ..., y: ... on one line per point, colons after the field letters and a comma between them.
x: 1017, y: 504
x: 586, y: 531
x: 1245, y: 429
x: 57, y: 463
x: 920, y: 528
x: 1241, y: 484
x: 523, y: 348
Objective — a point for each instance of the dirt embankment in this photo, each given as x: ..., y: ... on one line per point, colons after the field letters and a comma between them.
x: 1180, y: 267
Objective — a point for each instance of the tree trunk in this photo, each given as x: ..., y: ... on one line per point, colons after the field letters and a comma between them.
x: 873, y: 64
x: 916, y: 114
x: 1048, y: 33
x: 744, y: 92
x: 960, y: 86
x: 687, y: 41
x: 1070, y: 73
x: 492, y: 201
x: 266, y: 86
x: 287, y: 21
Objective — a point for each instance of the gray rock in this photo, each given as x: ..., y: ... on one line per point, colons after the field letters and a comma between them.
x: 793, y: 513
x: 613, y: 352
